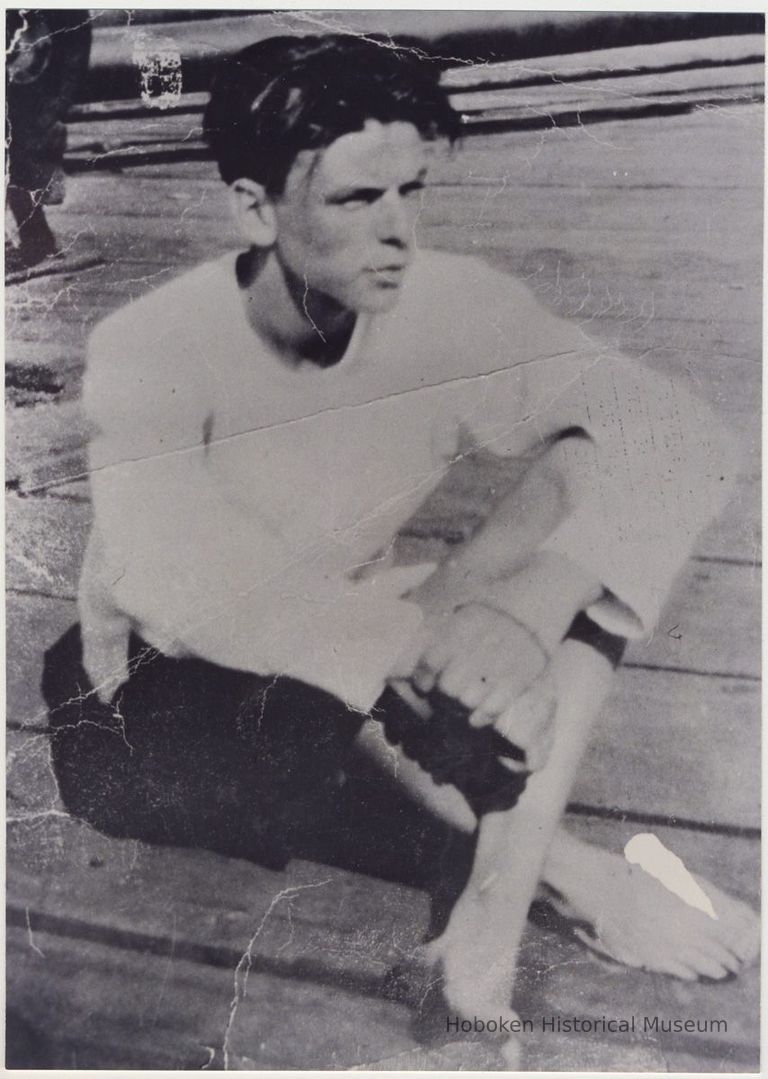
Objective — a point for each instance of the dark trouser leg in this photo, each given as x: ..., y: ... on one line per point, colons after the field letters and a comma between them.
x: 36, y: 241
x: 192, y: 754
x: 379, y: 830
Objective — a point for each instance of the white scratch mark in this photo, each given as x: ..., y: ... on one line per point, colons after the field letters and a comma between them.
x: 316, y: 328
x: 243, y: 968
x: 646, y: 850
x: 30, y: 938
x: 40, y: 814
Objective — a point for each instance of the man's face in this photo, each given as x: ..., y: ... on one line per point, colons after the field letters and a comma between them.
x: 345, y: 220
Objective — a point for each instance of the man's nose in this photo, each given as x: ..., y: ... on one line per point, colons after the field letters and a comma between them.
x: 395, y: 221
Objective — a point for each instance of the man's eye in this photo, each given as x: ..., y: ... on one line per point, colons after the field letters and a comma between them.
x: 359, y: 199
x: 411, y: 189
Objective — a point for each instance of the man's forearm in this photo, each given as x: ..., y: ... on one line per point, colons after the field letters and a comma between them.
x: 503, y: 564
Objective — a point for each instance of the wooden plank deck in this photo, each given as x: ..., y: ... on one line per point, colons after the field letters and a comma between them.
x: 648, y: 232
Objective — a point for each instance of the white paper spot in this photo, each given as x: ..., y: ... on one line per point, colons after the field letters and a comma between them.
x: 159, y: 63
x: 646, y: 850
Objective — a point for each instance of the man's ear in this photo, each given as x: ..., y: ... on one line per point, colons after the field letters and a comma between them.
x: 254, y: 212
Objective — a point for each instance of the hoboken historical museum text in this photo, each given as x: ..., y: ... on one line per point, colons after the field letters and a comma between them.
x: 574, y: 1024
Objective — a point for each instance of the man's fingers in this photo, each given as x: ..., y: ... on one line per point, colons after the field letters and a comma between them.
x: 529, y: 722
x: 505, y: 700
x: 480, y: 657
x: 493, y: 704
x: 538, y: 752
x: 423, y: 677
x: 484, y: 667
x: 525, y: 720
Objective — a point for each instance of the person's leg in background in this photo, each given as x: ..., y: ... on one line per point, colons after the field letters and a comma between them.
x: 47, y: 59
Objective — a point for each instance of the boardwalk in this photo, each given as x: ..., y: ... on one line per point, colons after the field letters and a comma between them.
x: 646, y: 230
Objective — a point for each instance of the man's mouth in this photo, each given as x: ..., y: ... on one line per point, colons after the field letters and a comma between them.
x: 389, y: 275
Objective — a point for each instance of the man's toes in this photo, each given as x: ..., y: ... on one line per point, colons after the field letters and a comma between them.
x: 746, y: 945
x: 741, y: 937
x: 706, y: 965
x: 677, y: 970
x: 749, y: 928
x: 723, y: 955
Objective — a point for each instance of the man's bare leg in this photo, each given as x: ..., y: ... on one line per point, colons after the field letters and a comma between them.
x: 517, y: 848
x: 478, y: 950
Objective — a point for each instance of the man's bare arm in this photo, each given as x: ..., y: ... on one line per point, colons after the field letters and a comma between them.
x: 498, y: 610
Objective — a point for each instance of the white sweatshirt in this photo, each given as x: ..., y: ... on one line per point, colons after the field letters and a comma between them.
x: 235, y: 495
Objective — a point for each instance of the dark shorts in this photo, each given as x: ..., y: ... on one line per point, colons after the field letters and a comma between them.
x: 192, y: 754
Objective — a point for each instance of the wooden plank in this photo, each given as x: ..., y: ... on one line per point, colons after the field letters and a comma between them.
x: 208, y: 912
x: 738, y: 532
x: 204, y: 204
x: 684, y: 341
x: 502, y: 237
x: 34, y: 623
x: 124, y: 1011
x: 537, y: 158
x: 576, y: 271
x: 129, y: 887
x: 677, y: 745
x: 45, y: 542
x: 692, y: 633
x: 102, y: 139
x: 25, y: 335
x: 33, y: 796
x: 201, y: 914
x: 666, y: 152
x: 641, y: 58
x: 570, y: 218
x: 702, y: 53
x: 61, y: 358
x: 203, y: 198
x: 93, y: 1007
x: 44, y: 445
x: 595, y: 284
x: 583, y: 114
x: 647, y: 152
x: 727, y: 1065
x: 115, y: 1009
x: 614, y: 91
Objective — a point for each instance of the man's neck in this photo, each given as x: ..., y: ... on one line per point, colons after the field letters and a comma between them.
x: 297, y: 323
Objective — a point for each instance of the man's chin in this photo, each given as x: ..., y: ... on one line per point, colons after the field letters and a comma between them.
x: 379, y: 301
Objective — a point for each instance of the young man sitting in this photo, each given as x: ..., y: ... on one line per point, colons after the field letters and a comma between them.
x: 262, y: 428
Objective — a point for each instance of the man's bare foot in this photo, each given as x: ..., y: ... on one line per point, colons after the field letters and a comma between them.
x: 639, y: 922
x: 474, y: 994
x: 476, y: 973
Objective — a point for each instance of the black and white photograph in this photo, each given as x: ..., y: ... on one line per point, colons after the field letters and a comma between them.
x: 383, y: 441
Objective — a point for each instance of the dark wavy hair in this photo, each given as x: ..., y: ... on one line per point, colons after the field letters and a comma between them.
x: 288, y: 94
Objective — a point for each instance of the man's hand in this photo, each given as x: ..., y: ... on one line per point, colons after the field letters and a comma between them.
x: 487, y: 641
x: 498, y: 669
